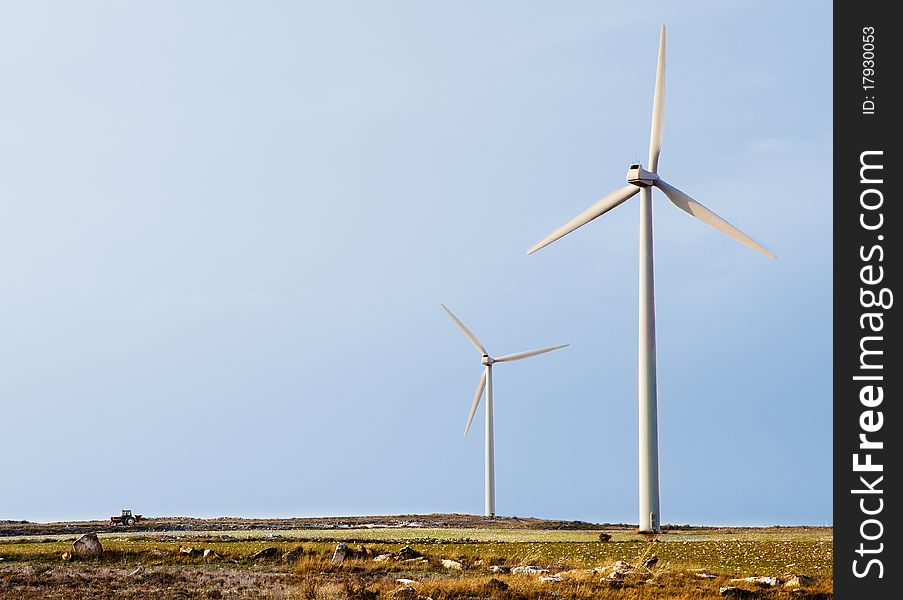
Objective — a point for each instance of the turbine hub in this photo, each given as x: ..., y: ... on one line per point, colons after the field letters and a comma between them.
x: 487, y: 360
x: 639, y: 176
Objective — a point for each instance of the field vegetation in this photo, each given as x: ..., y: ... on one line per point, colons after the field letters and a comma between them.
x: 685, y: 563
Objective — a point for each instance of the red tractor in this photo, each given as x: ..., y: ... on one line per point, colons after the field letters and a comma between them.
x: 126, y: 518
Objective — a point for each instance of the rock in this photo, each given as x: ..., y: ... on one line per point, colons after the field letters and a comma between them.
x: 704, y: 575
x: 271, y: 552
x: 293, y: 555
x: 798, y: 581
x: 604, y: 537
x: 138, y: 573
x: 87, y: 546
x: 404, y: 593
x: 383, y: 558
x: 211, y: 554
x: 499, y: 569
x: 405, y: 581
x: 407, y: 553
x: 156, y: 552
x: 576, y: 574
x: 617, y: 570
x: 66, y: 556
x: 451, y: 564
x: 496, y: 584
x: 761, y: 581
x: 735, y: 592
x: 421, y: 561
x: 364, y: 552
x: 809, y: 595
x: 650, y: 562
x: 550, y: 578
x: 528, y: 570
x: 188, y: 551
x: 341, y: 552
x: 478, y: 563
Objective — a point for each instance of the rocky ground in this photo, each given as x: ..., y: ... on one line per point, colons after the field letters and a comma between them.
x: 163, y: 524
x: 410, y: 557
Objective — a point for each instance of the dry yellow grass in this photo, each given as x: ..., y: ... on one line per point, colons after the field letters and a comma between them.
x: 32, y: 567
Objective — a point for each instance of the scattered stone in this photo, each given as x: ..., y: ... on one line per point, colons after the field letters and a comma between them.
x: 612, y: 583
x: 87, y: 546
x: 407, y: 553
x: 496, y: 584
x: 528, y: 570
x: 405, y: 593
x: 499, y: 569
x: 761, y: 581
x: 341, y: 552
x: 735, y: 592
x: 451, y: 564
x: 476, y: 563
x: 383, y: 558
x: 798, y: 581
x: 364, y: 552
x: 550, y: 578
x: 650, y: 562
x: 138, y: 573
x: 188, y: 551
x: 422, y: 560
x: 604, y: 537
x: 405, y: 581
x: 617, y: 570
x: 576, y: 574
x: 66, y: 556
x: 704, y: 575
x: 156, y: 552
x: 211, y: 554
x: 293, y: 555
x: 271, y: 552
x: 809, y: 595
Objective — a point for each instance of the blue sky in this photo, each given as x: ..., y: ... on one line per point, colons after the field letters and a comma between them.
x: 226, y: 228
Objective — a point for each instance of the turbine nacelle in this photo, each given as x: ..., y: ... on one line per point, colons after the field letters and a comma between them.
x: 487, y: 360
x: 640, y: 177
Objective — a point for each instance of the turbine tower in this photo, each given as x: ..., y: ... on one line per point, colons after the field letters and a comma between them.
x: 486, y: 382
x: 641, y: 181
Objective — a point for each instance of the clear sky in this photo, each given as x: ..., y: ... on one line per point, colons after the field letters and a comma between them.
x: 226, y: 228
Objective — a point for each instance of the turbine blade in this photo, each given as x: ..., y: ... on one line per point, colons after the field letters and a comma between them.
x: 596, y: 210
x: 694, y: 208
x: 470, y: 336
x: 521, y: 355
x: 476, y: 400
x: 658, y: 107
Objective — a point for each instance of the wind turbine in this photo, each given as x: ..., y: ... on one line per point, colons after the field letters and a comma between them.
x: 641, y: 181
x: 486, y: 382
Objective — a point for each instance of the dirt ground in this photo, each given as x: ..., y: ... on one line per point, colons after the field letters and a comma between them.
x: 163, y: 524
x: 87, y: 581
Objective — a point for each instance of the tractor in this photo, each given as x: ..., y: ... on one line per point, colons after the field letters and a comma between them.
x: 125, y: 518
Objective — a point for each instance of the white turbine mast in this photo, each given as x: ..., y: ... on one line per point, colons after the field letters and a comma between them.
x: 486, y: 383
x: 641, y: 181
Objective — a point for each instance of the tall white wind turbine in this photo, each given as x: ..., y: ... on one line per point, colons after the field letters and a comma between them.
x: 641, y: 181
x: 486, y: 383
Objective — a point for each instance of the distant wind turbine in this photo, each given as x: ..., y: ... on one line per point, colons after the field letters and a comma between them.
x: 641, y: 181
x: 486, y: 382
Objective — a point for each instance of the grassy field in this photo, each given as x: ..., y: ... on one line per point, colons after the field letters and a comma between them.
x: 139, y: 564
